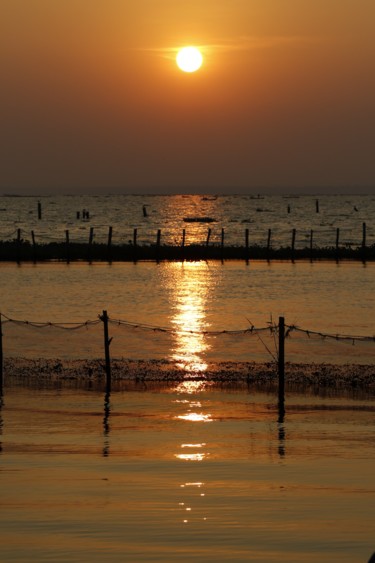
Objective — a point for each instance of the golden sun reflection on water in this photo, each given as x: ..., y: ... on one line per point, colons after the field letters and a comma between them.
x: 191, y: 286
x: 195, y: 417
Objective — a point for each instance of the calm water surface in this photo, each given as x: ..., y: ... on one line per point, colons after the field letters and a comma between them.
x: 185, y: 474
x: 190, y: 299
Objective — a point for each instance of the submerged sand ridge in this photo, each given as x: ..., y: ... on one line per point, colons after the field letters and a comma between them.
x: 313, y: 375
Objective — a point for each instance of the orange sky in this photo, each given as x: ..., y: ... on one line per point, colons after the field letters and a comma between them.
x: 91, y: 98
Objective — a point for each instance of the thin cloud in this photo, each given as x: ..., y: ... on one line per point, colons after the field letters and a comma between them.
x: 242, y: 44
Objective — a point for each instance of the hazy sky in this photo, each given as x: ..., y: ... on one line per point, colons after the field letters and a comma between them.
x: 91, y: 97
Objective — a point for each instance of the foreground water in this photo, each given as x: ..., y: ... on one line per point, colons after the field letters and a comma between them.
x: 185, y: 474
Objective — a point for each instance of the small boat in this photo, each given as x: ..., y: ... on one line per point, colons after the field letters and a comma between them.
x: 199, y: 220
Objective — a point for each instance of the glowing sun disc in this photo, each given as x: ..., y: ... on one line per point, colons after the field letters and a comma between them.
x: 189, y: 59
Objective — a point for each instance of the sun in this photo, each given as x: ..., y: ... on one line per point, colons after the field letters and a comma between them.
x: 189, y: 59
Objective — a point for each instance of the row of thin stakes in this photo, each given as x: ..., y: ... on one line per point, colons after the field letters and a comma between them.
x: 138, y: 252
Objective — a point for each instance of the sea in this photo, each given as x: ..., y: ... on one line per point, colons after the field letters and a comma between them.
x: 323, y: 214
x: 187, y: 471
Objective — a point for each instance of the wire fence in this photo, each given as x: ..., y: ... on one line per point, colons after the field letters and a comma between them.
x: 134, y: 340
x: 141, y: 351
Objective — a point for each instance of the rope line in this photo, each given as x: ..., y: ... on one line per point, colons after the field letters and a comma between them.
x: 272, y: 328
x: 154, y: 328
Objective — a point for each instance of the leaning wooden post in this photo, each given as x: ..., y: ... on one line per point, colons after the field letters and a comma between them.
x: 91, y: 237
x: 109, y: 245
x: 281, y: 366
x: 293, y: 243
x: 337, y: 243
x: 247, y: 245
x: 363, y: 242
x: 107, y: 342
x: 158, y: 237
x: 135, y: 232
x: 208, y: 237
x: 34, y: 246
x: 183, y: 244
x: 18, y: 250
x: 269, y: 244
x: 67, y: 246
x: 1, y: 360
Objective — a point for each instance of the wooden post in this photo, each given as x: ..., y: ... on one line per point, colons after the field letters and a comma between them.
x: 293, y: 243
x: 222, y: 244
x: 363, y: 242
x: 337, y: 243
x: 208, y: 237
x: 109, y: 245
x: 183, y: 244
x: 18, y: 249
x: 363, y: 235
x: 268, y: 244
x: 39, y: 210
x: 107, y: 342
x: 281, y: 366
x: 135, y: 232
x: 1, y: 361
x: 34, y: 246
x: 91, y: 237
x: 247, y: 245
x: 67, y: 246
x: 317, y: 206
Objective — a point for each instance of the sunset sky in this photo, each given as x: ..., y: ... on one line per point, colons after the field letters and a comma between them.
x: 91, y: 99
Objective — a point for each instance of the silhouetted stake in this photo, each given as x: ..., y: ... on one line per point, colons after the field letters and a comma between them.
x: 34, y: 246
x: 107, y: 342
x: 363, y: 235
x: 158, y: 237
x: 1, y: 361
x: 317, y: 206
x: 281, y: 365
x: 109, y: 245
x: 39, y: 210
x: 293, y: 243
x: 135, y: 245
x: 288, y: 208
x: 222, y: 244
x: 183, y: 244
x: 268, y: 244
x: 337, y: 244
x: 91, y: 237
x: 247, y: 245
x: 67, y: 246
x: 363, y: 242
x: 208, y: 237
x: 18, y: 251
x: 78, y: 214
